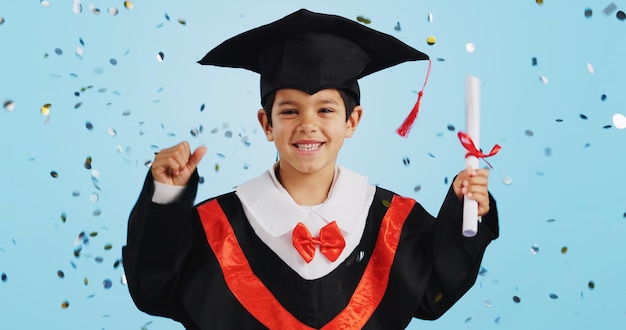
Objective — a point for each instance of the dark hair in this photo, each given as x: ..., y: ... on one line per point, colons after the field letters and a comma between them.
x: 349, y: 100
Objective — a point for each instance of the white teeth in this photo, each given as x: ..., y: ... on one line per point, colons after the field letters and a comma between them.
x: 308, y: 147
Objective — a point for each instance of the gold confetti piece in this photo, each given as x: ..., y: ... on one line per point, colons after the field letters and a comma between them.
x: 65, y: 304
x: 363, y: 19
x: 86, y: 281
x: 386, y: 203
x: 182, y: 21
x: 539, y: 2
x: 438, y: 297
x: 63, y: 217
x: 45, y: 109
x: 564, y: 250
x: 108, y: 246
x: 431, y: 40
x: 129, y: 5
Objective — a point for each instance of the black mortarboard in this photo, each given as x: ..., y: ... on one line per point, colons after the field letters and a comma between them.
x: 310, y: 52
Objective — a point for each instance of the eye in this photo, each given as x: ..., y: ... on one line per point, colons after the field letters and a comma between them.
x: 288, y: 112
x: 326, y: 110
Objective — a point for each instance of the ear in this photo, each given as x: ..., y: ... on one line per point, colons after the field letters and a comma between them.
x: 265, y: 124
x: 353, y: 120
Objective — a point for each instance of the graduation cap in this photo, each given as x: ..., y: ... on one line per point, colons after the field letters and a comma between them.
x: 311, y: 51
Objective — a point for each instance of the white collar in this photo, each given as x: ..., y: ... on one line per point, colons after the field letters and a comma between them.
x: 277, y: 213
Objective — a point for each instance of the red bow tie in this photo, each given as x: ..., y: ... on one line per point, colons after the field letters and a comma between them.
x: 331, y: 241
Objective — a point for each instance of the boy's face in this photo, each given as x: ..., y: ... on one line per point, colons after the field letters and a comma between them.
x: 308, y: 130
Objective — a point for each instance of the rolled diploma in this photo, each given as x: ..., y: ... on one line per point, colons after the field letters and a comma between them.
x: 472, y: 128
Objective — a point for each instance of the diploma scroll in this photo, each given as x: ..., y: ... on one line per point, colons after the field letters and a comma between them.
x: 472, y: 128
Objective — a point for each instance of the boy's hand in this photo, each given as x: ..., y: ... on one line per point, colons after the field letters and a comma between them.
x: 473, y: 183
x: 175, y: 165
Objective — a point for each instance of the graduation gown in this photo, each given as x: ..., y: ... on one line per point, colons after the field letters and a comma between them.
x: 205, y: 267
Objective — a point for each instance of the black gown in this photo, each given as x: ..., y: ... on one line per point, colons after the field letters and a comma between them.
x: 177, y: 267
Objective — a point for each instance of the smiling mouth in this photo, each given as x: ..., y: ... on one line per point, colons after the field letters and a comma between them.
x: 308, y: 146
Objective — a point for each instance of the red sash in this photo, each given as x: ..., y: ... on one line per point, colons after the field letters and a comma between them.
x: 261, y: 303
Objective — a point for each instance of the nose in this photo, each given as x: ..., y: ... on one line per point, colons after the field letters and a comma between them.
x: 308, y: 122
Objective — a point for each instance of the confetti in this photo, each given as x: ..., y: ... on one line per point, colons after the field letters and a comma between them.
x: 113, y: 61
x: 588, y: 12
x: 470, y: 47
x: 529, y: 132
x: 65, y: 304
x: 543, y: 80
x: 534, y: 61
x: 516, y: 299
x: 94, y: 9
x: 54, y: 174
x: 88, y: 161
x: 451, y: 128
x: 534, y: 249
x: 45, y: 109
x: 9, y: 105
x: 406, y: 161
x: 4, y: 277
x: 363, y: 19
x: 487, y: 303
x: 539, y: 2
x: 1, y: 20
x: 397, y: 27
x: 583, y: 116
x: 564, y: 250
x: 591, y: 285
x: 113, y: 11
x: 430, y: 17
x: 431, y: 40
x: 63, y: 217
x: 89, y: 125
x: 620, y: 15
x: 45, y: 3
x: 58, y: 51
x: 609, y: 9
x: 547, y: 152
x: 129, y: 5
x: 77, y: 7
x: 182, y: 21
x: 107, y: 283
x: 160, y: 57
x: 417, y: 188
x: 60, y: 274
x: 619, y: 121
x: 553, y: 296
x: 112, y: 131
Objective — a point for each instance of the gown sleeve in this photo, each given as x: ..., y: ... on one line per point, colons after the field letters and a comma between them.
x: 456, y: 259
x: 158, y: 243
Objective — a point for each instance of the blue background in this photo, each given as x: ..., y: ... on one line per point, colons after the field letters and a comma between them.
x: 559, y: 179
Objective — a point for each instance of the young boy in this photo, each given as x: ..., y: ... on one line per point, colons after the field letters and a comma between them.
x: 308, y: 244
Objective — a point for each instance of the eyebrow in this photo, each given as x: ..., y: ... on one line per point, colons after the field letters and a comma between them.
x: 323, y: 101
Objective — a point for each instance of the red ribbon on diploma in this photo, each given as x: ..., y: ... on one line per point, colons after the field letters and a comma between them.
x: 469, y: 145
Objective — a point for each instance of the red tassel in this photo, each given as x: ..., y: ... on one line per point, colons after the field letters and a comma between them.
x: 404, y: 129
